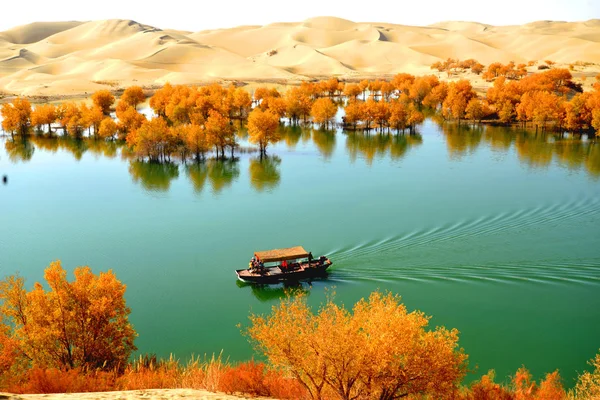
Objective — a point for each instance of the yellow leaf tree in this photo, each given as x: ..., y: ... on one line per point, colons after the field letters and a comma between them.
x: 83, y: 323
x: 379, y: 349
x: 323, y: 111
x: 132, y: 96
x: 16, y: 116
x: 103, y: 99
x: 262, y: 128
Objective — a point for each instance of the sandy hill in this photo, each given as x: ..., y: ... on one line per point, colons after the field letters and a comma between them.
x: 50, y: 58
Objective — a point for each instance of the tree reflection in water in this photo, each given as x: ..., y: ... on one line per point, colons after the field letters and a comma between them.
x: 197, y: 172
x: 154, y: 177
x: 324, y: 140
x: 222, y: 173
x: 374, y: 145
x: 264, y: 172
x: 19, y: 149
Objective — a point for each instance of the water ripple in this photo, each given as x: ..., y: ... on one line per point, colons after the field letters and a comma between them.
x: 352, y: 263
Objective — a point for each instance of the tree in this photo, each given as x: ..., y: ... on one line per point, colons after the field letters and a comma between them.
x: 150, y: 140
x: 220, y: 132
x: 16, y: 116
x: 44, y: 114
x: 379, y: 349
x: 83, y: 323
x: 108, y: 128
x: 398, y: 115
x: 262, y: 128
x: 129, y: 120
x: 103, y: 99
x: 353, y: 113
x: 352, y: 90
x: 506, y: 112
x: 588, y: 383
x: 195, y: 140
x: 474, y: 110
x: 132, y: 96
x: 323, y: 111
x: 241, y: 102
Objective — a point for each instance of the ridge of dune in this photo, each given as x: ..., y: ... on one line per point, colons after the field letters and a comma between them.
x: 36, y: 31
x: 54, y: 58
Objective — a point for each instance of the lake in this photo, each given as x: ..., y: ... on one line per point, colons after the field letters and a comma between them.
x: 490, y: 230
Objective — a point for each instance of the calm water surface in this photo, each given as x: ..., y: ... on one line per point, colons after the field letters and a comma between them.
x: 491, y: 231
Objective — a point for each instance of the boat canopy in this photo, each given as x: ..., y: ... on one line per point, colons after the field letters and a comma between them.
x: 291, y: 253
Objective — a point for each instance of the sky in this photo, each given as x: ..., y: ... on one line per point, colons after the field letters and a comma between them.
x: 201, y: 14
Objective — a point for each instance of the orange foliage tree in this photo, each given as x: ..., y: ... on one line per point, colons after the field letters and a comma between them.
x: 132, y: 96
x: 108, y: 128
x: 220, y: 132
x: 262, y: 128
x: 103, y: 99
x: 379, y: 349
x: 16, y: 116
x: 44, y: 114
x: 588, y: 383
x: 323, y: 111
x: 83, y: 323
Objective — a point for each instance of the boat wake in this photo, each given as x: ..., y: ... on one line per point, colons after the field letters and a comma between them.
x: 485, y: 249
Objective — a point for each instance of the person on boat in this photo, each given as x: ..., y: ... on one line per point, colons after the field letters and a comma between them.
x: 309, y: 257
x: 284, y: 265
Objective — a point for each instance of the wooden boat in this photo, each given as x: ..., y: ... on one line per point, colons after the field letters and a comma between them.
x: 283, y: 265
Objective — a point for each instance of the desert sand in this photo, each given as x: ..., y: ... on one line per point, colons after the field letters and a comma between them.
x: 70, y: 58
x: 149, y: 394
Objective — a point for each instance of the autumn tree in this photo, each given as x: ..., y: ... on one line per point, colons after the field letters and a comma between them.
x: 43, y: 114
x: 129, y: 120
x: 103, y: 99
x: 133, y: 96
x: 160, y: 99
x: 151, y: 139
x: 108, y: 128
x: 415, y: 117
x: 220, y: 132
x: 398, y: 115
x: 16, y: 116
x: 474, y: 110
x: 323, y: 111
x: 195, y: 140
x: 459, y: 95
x: 241, y: 102
x: 352, y: 90
x: 78, y: 324
x: 379, y: 349
x: 353, y: 113
x: 588, y: 383
x: 262, y: 128
x: 298, y: 104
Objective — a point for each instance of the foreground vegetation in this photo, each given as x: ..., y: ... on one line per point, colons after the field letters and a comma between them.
x: 76, y: 337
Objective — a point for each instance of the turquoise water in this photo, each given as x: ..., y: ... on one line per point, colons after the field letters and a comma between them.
x: 490, y: 230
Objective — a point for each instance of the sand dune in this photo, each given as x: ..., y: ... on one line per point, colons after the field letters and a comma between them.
x: 55, y: 58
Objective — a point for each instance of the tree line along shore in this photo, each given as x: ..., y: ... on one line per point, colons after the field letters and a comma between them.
x: 193, y: 121
x: 75, y: 336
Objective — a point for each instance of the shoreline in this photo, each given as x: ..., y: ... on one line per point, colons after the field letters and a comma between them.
x: 143, y: 394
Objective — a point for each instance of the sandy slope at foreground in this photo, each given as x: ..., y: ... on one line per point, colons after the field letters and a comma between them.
x: 67, y: 58
x: 149, y: 394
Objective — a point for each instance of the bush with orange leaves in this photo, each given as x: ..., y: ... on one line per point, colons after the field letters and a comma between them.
x: 357, y: 354
x: 53, y: 380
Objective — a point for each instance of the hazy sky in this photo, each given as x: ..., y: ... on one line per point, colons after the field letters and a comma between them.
x: 200, y: 14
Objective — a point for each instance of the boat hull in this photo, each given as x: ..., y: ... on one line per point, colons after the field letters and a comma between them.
x: 276, y: 275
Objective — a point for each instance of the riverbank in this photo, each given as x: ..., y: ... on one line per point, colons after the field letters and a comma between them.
x: 149, y: 394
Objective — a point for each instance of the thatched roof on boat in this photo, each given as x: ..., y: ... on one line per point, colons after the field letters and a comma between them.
x: 281, y: 254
